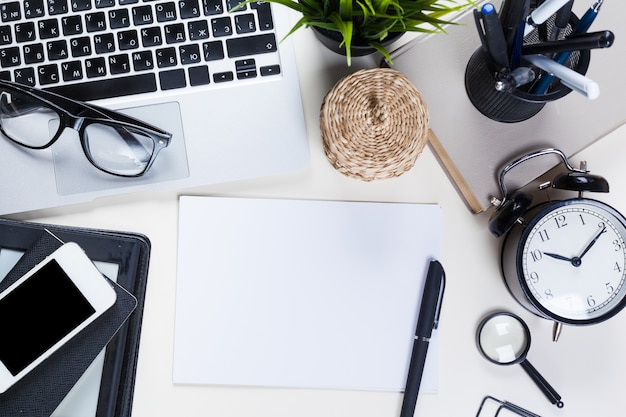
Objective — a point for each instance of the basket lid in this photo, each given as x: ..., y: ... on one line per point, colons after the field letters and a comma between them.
x: 374, y: 124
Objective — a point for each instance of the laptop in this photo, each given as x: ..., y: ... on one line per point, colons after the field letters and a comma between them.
x: 223, y: 82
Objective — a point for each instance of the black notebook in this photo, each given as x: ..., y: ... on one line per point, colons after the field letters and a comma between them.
x: 116, y: 332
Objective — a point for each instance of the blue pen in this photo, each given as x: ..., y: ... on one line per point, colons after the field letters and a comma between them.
x: 582, y: 27
x: 494, y: 36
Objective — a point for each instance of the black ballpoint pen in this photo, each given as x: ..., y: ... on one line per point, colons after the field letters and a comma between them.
x: 590, y: 40
x: 427, y: 320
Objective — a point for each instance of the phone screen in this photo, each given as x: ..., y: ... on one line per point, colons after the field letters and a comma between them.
x: 37, y: 314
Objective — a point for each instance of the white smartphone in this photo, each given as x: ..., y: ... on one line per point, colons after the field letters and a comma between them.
x: 46, y: 307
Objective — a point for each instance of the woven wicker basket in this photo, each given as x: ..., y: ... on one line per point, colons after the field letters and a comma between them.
x: 374, y: 124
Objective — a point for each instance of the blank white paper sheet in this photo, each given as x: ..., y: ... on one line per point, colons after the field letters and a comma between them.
x: 306, y: 294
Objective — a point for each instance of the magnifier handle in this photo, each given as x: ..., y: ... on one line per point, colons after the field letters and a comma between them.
x: 547, y: 389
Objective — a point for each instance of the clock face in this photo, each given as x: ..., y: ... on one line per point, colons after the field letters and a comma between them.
x: 573, y: 260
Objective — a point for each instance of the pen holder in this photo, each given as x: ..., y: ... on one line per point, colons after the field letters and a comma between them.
x: 521, y: 103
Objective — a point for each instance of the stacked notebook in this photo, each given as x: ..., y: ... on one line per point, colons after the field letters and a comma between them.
x: 113, y: 339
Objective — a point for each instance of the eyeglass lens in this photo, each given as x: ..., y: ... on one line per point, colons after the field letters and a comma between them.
x: 110, y: 146
x: 26, y: 120
x: 118, y: 149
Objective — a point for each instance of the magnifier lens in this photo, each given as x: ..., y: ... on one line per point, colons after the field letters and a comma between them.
x: 503, y: 339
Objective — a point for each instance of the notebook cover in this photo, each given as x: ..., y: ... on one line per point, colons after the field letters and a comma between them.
x: 473, y: 148
x: 131, y: 252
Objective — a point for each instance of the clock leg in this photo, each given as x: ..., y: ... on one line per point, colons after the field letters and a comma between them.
x: 556, y: 330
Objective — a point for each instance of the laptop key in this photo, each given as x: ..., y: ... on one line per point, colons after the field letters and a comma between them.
x: 108, y: 88
x: 48, y: 28
x: 10, y: 57
x: 100, y: 4
x: 166, y: 57
x: 5, y: 35
x: 119, y: 18
x: 10, y: 11
x: 95, y: 21
x: 221, y: 77
x: 119, y: 64
x: 221, y: 26
x: 189, y: 9
x: 95, y: 67
x: 33, y: 53
x: 25, y: 76
x: 246, y: 68
x: 251, y: 45
x: 72, y: 25
x: 172, y: 79
x: 48, y: 74
x: 33, y: 8
x: 127, y: 39
x: 199, y: 75
x: 212, y: 7
x: 244, y: 23
x: 57, y: 50
x: 72, y: 71
x: 80, y: 5
x: 57, y: 7
x: 264, y: 13
x: 213, y: 50
x: 25, y: 32
x: 270, y: 70
x: 166, y: 12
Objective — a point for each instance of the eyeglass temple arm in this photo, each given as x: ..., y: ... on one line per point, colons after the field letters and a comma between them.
x: 78, y: 107
x: 127, y: 119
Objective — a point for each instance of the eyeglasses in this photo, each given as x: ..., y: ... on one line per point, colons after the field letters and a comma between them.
x: 113, y: 142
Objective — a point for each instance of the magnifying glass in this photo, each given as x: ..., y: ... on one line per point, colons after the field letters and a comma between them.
x: 504, y: 339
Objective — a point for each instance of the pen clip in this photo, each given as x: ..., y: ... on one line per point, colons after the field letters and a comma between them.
x: 481, y: 33
x: 440, y: 297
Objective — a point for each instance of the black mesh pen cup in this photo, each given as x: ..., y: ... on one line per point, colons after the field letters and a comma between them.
x: 523, y: 102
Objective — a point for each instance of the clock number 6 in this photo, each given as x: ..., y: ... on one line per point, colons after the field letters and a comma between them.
x: 590, y: 301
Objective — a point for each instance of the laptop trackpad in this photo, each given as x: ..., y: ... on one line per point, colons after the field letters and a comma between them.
x: 75, y: 174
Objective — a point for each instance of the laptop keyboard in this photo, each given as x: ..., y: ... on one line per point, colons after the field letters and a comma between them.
x: 96, y: 49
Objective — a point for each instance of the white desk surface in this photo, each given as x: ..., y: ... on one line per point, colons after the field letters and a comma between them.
x: 585, y: 366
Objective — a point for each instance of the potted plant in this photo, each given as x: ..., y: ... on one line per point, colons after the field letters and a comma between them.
x: 354, y: 24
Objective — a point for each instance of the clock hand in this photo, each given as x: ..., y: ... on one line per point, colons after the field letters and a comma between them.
x: 595, y: 239
x: 560, y: 257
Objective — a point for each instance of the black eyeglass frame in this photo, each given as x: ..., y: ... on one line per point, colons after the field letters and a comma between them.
x: 78, y: 115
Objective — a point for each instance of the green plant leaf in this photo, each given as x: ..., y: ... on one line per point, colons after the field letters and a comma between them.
x: 345, y: 10
x: 382, y: 50
x: 346, y: 30
x: 372, y: 20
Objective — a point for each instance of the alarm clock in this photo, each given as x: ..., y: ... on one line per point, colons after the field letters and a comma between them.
x: 563, y: 260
